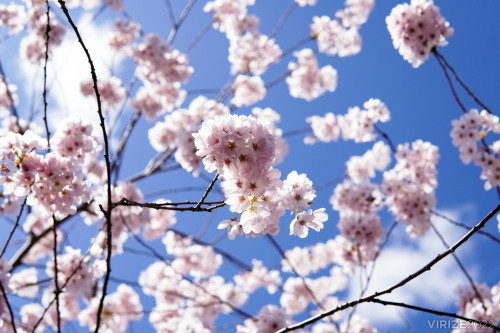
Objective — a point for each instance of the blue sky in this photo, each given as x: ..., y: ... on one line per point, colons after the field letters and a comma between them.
x: 421, y: 106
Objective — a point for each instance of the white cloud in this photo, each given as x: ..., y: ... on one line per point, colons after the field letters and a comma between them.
x: 403, y: 256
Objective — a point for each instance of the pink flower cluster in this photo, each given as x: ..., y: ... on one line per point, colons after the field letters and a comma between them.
x: 341, y: 35
x: 358, y: 124
x: 416, y: 29
x: 333, y: 38
x: 409, y: 187
x: 175, y: 132
x: 307, y: 80
x: 5, y: 100
x: 252, y: 53
x: 75, y: 274
x: 230, y: 16
x: 483, y: 307
x: 53, y: 182
x: 111, y: 91
x: 187, y: 306
x: 243, y: 152
x: 248, y: 90
x: 468, y: 134
x: 33, y: 45
x: 125, y: 32
x: 162, y: 70
x: 296, y: 296
x: 12, y: 17
x: 269, y: 319
x: 268, y: 117
x: 120, y: 308
x: 361, y: 168
x: 258, y: 277
x: 355, y: 13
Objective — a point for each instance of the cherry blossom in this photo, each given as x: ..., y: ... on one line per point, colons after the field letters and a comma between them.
x: 416, y: 29
x: 307, y: 80
x: 248, y: 90
x: 333, y: 38
x: 12, y: 17
x: 252, y: 53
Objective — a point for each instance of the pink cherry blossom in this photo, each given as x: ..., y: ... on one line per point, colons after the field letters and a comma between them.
x: 416, y: 29
x: 307, y: 80
x: 304, y: 220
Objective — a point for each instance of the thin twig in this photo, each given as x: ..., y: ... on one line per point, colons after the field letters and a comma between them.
x: 464, y: 226
x: 56, y: 274
x: 450, y: 84
x: 198, y: 37
x: 16, y: 224
x: 282, y: 19
x: 460, y: 265
x: 209, y: 188
x: 386, y: 137
x: 177, y: 25
x: 462, y: 84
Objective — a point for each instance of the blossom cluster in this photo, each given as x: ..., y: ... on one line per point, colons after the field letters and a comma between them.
x: 243, y: 152
x: 416, y: 29
x: 162, y: 70
x: 357, y: 125
x: 33, y: 45
x: 479, y: 303
x: 341, y: 34
x: 52, y: 182
x: 409, y: 187
x: 175, y: 131
x: 468, y: 134
x: 307, y: 80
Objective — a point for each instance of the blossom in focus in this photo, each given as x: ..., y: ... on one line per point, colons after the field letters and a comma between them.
x: 305, y: 220
x: 416, y: 29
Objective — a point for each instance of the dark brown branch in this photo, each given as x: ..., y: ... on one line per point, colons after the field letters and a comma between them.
x: 106, y: 158
x: 448, y: 79
x: 9, y: 308
x: 386, y: 137
x: 403, y: 282
x: 462, y: 84
x: 172, y: 205
x: 47, y: 36
x: 209, y: 188
x: 436, y: 312
x: 56, y: 274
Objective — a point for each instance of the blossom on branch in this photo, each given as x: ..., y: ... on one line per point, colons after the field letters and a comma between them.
x: 416, y: 29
